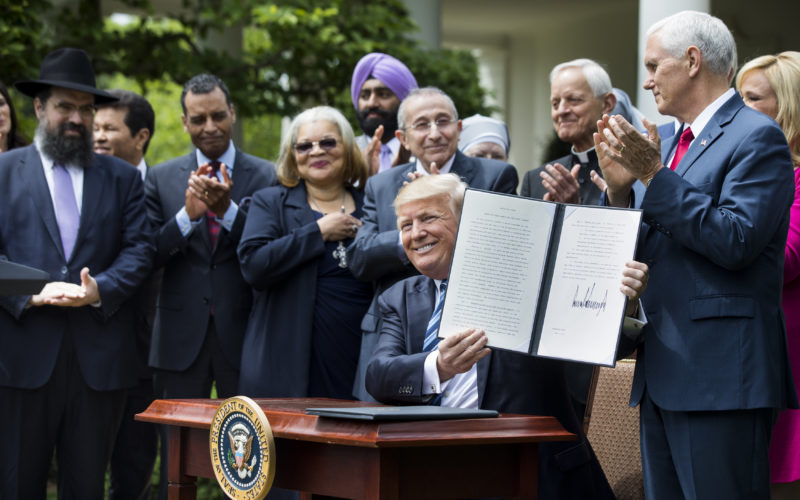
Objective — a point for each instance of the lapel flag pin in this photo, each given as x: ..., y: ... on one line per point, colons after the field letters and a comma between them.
x: 703, y: 142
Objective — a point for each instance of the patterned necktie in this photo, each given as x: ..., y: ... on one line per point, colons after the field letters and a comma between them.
x: 431, y: 337
x: 683, y: 145
x: 211, y: 218
x: 386, y: 158
x: 66, y: 207
x: 431, y: 334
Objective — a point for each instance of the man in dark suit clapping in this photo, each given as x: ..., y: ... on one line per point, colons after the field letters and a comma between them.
x: 198, y: 205
x: 712, y: 369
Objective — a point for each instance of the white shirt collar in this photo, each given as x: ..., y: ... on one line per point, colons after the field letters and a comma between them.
x: 583, y: 156
x: 75, y: 173
x: 142, y: 168
x: 228, y: 158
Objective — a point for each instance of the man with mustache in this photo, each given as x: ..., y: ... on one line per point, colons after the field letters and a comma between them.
x: 198, y: 205
x: 68, y: 353
x: 380, y: 82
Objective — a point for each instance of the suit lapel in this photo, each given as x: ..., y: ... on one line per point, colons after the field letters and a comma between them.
x: 421, y: 302
x: 404, y: 170
x: 240, y: 177
x: 297, y: 201
x: 93, y: 182
x: 699, y: 146
x: 711, y: 132
x: 483, y: 376
x: 464, y: 167
x: 32, y: 173
x: 670, y: 144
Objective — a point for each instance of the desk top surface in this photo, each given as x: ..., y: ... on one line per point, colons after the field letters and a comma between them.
x: 288, y: 420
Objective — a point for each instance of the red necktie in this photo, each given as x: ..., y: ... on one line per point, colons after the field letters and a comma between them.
x: 211, y: 218
x: 683, y: 144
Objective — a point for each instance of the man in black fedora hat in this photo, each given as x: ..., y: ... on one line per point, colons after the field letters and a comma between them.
x: 67, y: 353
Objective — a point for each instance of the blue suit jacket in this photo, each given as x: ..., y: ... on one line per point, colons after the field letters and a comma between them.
x: 195, y: 274
x: 714, y: 237
x: 376, y: 254
x: 507, y: 382
x: 113, y: 241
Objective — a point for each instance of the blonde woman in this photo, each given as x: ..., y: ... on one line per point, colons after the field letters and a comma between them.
x: 771, y: 84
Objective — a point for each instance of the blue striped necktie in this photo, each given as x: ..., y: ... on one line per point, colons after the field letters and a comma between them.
x: 431, y: 334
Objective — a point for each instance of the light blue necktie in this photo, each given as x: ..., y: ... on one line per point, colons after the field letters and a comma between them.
x: 66, y: 207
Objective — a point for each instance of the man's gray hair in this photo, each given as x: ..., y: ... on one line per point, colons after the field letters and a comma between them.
x: 421, y: 92
x: 596, y: 76
x: 709, y: 34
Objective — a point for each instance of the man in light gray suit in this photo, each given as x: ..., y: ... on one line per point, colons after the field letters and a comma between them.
x: 198, y: 204
x: 428, y: 127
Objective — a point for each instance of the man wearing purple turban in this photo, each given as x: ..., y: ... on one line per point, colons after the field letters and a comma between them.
x: 379, y: 83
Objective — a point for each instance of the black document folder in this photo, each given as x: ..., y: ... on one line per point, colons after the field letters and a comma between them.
x: 401, y: 413
x: 16, y: 279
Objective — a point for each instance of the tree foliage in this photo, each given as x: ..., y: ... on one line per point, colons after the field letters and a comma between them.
x: 294, y: 53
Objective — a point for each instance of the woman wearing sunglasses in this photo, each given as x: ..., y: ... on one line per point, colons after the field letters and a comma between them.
x: 304, y: 335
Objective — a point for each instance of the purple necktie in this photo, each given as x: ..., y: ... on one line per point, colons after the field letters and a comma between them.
x: 386, y: 158
x: 66, y: 209
x: 211, y: 217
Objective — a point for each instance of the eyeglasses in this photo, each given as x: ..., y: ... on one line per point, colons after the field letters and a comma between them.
x: 424, y: 127
x: 324, y: 144
x: 66, y: 109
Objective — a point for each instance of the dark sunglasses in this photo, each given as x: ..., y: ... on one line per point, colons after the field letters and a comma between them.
x: 324, y: 144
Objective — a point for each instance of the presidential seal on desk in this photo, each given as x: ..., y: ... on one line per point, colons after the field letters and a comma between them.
x: 242, y: 449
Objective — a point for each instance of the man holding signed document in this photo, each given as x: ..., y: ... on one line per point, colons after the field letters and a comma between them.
x: 408, y: 367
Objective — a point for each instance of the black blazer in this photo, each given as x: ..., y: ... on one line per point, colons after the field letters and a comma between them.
x: 195, y: 274
x: 113, y: 241
x: 279, y: 252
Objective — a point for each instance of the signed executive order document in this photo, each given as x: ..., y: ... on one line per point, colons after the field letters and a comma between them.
x: 539, y: 277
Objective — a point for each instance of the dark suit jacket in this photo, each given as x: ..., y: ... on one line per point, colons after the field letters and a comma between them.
x: 113, y: 241
x: 376, y: 254
x: 507, y: 382
x: 279, y: 251
x: 714, y: 237
x: 195, y: 274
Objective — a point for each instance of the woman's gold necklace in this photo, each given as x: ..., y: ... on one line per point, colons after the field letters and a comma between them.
x: 340, y: 253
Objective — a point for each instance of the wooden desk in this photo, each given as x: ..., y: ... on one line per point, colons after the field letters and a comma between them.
x: 369, y: 460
